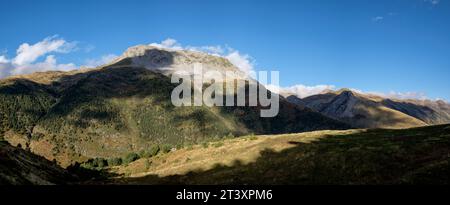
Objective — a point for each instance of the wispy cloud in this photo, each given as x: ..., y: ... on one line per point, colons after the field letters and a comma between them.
x: 173, y: 44
x: 303, y: 91
x: 377, y: 18
x: 168, y: 43
x: 4, y: 51
x: 88, y: 48
x: 90, y: 63
x: 399, y: 95
x: 3, y: 59
x: 392, y: 13
x: 432, y: 2
x: 300, y: 90
x: 384, y: 17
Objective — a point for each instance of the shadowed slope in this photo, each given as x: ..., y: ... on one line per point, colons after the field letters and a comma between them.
x: 378, y: 156
x: 19, y: 167
x: 431, y: 112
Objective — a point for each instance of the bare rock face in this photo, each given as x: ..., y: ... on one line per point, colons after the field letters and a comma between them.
x: 341, y: 106
x: 365, y: 111
x: 169, y: 61
x: 150, y: 58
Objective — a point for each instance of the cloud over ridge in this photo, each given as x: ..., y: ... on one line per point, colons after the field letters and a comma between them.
x: 242, y: 61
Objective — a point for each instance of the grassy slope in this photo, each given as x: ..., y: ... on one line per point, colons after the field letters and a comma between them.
x: 376, y: 156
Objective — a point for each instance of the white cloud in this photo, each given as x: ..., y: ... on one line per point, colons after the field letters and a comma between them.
x: 432, y: 2
x: 89, y: 48
x: 395, y: 94
x: 402, y: 95
x: 213, y: 50
x: 48, y: 64
x: 242, y: 61
x: 105, y: 59
x: 300, y: 90
x: 384, y: 17
x: 4, y: 69
x: 27, y: 53
x: 173, y: 44
x: 377, y: 19
x: 168, y: 44
x: 303, y: 91
x: 3, y: 59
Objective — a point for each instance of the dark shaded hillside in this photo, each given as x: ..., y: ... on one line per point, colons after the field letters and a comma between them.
x: 20, y: 167
x: 290, y: 119
x: 376, y: 156
x: 358, y: 157
x: 23, y: 102
x: 113, y: 111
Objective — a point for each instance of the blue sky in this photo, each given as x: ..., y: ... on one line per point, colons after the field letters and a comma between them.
x: 397, y: 47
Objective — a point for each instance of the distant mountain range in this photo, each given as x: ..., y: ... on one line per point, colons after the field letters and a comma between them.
x: 371, y: 111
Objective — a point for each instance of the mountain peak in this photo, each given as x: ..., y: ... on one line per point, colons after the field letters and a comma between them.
x: 338, y: 92
x: 345, y: 90
x: 174, y: 56
x: 168, y: 61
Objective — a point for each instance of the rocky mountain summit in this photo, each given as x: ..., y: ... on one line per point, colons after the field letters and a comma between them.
x: 169, y: 61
